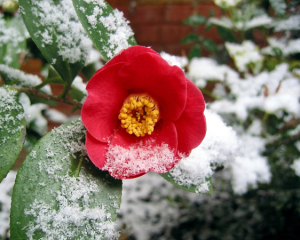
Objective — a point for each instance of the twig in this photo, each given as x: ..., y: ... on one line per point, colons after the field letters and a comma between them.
x: 35, y: 92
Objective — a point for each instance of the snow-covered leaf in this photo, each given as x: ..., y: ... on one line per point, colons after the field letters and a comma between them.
x: 12, y: 41
x: 107, y: 28
x: 56, y: 30
x: 12, y: 129
x: 279, y: 6
x: 55, y: 197
x: 192, y: 188
x: 17, y: 77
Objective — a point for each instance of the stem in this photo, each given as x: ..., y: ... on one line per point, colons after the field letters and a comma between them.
x: 65, y: 92
x: 34, y: 92
x: 79, y: 166
x: 41, y: 85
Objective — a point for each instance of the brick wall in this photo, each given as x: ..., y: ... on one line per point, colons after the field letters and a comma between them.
x: 158, y: 23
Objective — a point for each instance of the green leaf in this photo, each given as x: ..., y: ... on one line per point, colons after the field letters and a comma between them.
x: 12, y: 129
x: 192, y: 37
x: 58, y: 34
x: 195, y: 20
x: 107, y: 28
x: 195, y: 51
x: 226, y: 34
x: 77, y: 95
x: 191, y: 188
x: 279, y: 6
x: 209, y: 45
x: 12, y: 76
x: 13, y: 41
x: 60, y: 194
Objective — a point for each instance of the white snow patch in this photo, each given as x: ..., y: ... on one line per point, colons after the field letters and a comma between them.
x: 6, y: 187
x: 140, y: 157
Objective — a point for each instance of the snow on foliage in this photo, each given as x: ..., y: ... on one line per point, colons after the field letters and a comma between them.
x: 74, y: 201
x: 227, y: 3
x: 244, y: 54
x: 248, y: 93
x: 6, y: 187
x: 296, y: 166
x: 12, y: 36
x: 7, y: 104
x: 175, y: 60
x: 19, y: 78
x: 72, y: 41
x: 217, y: 149
x: 249, y: 167
x: 115, y: 25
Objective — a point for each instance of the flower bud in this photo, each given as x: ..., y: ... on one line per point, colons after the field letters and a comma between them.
x: 10, y: 6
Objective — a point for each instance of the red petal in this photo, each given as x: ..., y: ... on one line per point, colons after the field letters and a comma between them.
x: 129, y: 156
x: 103, y: 103
x: 96, y: 150
x: 127, y: 55
x: 149, y: 73
x: 191, y: 126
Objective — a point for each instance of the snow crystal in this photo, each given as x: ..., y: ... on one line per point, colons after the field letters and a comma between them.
x: 116, y: 27
x: 140, y: 157
x: 223, y: 21
x: 292, y: 23
x: 244, y: 54
x: 175, y: 60
x: 6, y: 187
x: 20, y: 78
x: 296, y: 166
x: 217, y: 149
x: 287, y: 47
x: 80, y: 85
x: 55, y: 116
x: 205, y: 69
x: 249, y: 166
x: 262, y: 20
x: 70, y: 37
x: 7, y: 105
x: 73, y: 198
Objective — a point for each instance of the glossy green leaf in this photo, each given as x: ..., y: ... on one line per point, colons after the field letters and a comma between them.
x: 60, y: 194
x: 195, y: 20
x: 226, y: 34
x: 12, y: 76
x: 192, y: 37
x: 279, y: 6
x: 12, y: 129
x: 195, y: 51
x: 191, y: 188
x: 107, y: 27
x: 209, y: 45
x: 13, y: 41
x: 57, y: 32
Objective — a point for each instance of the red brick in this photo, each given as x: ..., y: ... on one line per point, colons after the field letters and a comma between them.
x: 176, y: 13
x: 174, y: 33
x: 147, y: 14
x: 147, y: 33
x: 204, y: 9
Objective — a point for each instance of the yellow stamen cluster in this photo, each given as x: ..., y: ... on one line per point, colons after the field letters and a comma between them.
x: 139, y: 114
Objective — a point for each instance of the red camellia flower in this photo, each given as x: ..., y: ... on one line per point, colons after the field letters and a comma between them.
x: 141, y: 114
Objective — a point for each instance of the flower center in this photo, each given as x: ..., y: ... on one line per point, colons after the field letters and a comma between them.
x: 139, y: 114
